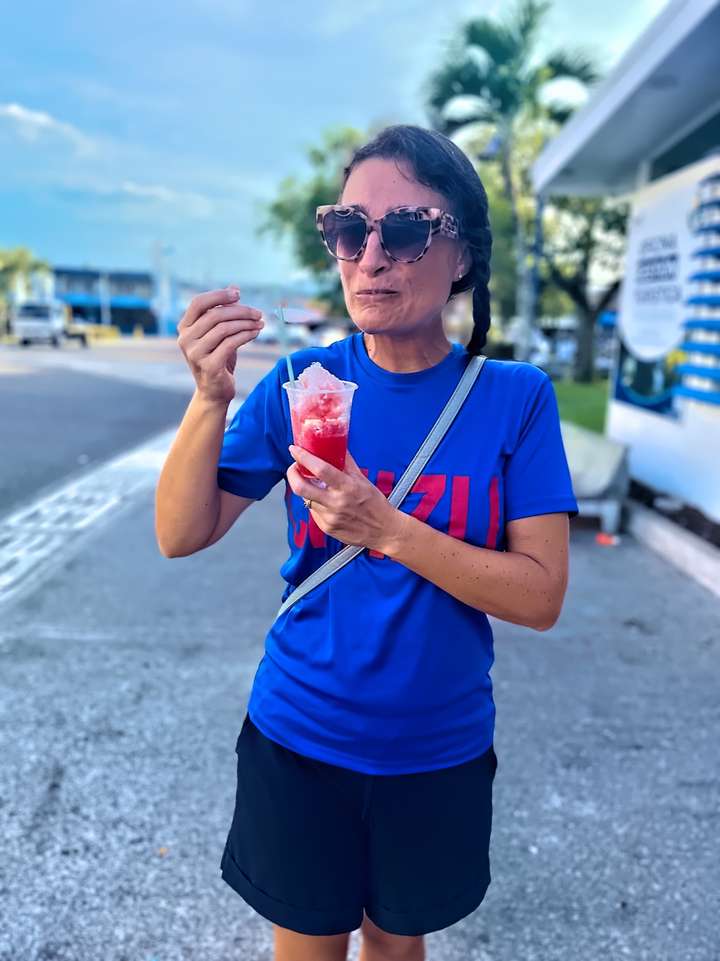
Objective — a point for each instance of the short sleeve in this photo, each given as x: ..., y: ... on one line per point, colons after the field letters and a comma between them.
x: 254, y: 455
x: 537, y: 476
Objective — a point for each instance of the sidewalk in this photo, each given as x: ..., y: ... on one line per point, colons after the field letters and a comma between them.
x: 124, y: 682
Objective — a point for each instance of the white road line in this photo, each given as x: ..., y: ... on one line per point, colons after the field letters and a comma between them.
x: 40, y: 536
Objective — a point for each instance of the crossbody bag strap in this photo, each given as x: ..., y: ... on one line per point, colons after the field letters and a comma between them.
x: 403, y: 486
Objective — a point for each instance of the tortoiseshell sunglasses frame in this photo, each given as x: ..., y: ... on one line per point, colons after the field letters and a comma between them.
x: 441, y: 222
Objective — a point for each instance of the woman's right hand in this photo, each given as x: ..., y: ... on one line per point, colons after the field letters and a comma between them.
x: 209, y: 334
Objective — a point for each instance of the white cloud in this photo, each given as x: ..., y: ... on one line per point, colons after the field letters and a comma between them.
x: 248, y: 184
x: 32, y: 125
x: 193, y: 203
x: 187, y: 203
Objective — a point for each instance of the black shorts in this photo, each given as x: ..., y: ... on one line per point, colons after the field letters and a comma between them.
x: 312, y: 845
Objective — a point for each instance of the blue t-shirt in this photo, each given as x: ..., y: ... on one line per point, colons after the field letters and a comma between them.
x: 377, y: 669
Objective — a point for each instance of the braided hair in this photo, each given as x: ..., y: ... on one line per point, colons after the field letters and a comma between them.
x: 437, y: 162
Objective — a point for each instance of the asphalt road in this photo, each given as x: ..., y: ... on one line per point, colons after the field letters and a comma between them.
x: 57, y: 423
x: 64, y: 412
x: 124, y: 679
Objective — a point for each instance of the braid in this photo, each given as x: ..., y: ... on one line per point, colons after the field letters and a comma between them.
x: 481, y: 319
x: 476, y: 279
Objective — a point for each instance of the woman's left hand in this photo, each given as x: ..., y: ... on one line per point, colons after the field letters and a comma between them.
x: 350, y: 508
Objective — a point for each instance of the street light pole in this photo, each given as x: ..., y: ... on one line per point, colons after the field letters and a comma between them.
x: 104, y: 294
x: 533, y: 307
x: 529, y: 293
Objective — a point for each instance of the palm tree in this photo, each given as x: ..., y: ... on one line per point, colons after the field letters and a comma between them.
x: 493, y: 68
x: 14, y: 262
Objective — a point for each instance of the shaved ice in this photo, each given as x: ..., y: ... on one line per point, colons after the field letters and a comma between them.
x: 320, y: 412
x: 315, y: 377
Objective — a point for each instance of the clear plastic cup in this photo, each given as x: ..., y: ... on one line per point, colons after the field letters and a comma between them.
x: 321, y: 422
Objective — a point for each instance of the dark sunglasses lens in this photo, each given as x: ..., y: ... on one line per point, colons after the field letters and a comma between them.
x: 405, y: 238
x: 344, y: 235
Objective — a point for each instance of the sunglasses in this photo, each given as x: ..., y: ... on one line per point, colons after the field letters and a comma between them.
x: 405, y: 233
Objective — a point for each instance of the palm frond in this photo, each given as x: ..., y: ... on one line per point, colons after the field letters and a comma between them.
x: 450, y: 125
x: 469, y: 109
x: 494, y: 38
x: 456, y: 78
x: 573, y: 65
x: 526, y: 23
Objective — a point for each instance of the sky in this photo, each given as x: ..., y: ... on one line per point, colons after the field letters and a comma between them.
x: 129, y: 126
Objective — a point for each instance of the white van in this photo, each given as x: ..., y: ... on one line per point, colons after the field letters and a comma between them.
x: 36, y: 320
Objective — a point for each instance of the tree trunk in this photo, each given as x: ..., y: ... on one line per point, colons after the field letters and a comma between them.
x: 584, y: 367
x: 522, y: 269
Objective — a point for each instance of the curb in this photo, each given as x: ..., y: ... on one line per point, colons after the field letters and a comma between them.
x: 685, y: 550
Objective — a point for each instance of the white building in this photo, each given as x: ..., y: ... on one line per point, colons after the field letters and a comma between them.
x: 651, y: 131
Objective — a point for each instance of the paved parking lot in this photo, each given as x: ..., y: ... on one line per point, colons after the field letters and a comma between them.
x: 124, y: 678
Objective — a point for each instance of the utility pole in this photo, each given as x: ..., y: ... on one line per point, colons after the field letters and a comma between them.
x: 162, y: 301
x: 529, y: 292
x: 534, y: 300
x: 104, y: 294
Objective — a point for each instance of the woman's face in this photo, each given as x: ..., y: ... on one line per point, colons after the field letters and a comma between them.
x: 420, y: 289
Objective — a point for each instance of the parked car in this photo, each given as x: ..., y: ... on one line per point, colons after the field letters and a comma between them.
x: 39, y: 321
x: 36, y: 321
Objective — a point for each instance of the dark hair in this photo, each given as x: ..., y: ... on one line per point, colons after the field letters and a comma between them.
x: 435, y: 161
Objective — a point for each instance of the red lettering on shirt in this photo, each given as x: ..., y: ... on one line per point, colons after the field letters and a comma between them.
x: 432, y: 487
x: 385, y: 481
x: 494, y: 519
x: 460, y: 499
x: 317, y: 534
x: 299, y: 527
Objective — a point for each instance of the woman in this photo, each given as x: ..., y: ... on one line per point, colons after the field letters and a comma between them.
x: 366, y: 759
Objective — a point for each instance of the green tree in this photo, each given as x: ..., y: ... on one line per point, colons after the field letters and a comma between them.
x: 553, y: 301
x: 502, y: 262
x: 582, y: 257
x: 503, y: 279
x: 493, y: 82
x: 292, y: 213
x: 15, y: 262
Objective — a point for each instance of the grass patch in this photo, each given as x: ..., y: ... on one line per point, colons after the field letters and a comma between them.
x: 583, y: 404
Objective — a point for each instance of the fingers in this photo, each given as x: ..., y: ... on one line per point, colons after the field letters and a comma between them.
x: 204, y: 302
x: 304, y: 488
x: 319, y: 467
x: 218, y: 315
x: 350, y: 464
x: 221, y: 331
x: 214, y: 317
x: 218, y: 357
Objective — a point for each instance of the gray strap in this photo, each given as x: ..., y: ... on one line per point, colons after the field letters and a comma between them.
x: 343, y: 557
